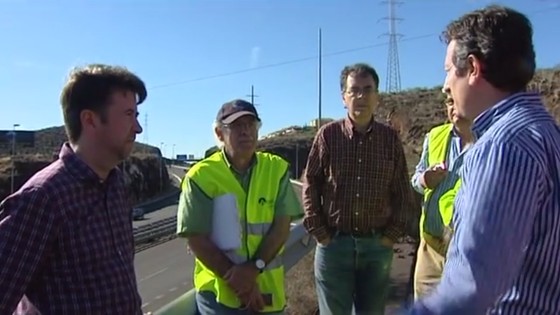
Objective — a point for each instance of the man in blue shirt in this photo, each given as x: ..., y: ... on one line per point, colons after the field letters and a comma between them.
x: 504, y: 257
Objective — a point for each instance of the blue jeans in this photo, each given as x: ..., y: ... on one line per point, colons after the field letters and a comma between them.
x: 206, y: 304
x: 352, y: 273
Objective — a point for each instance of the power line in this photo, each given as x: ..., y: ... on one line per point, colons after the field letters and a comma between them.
x: 284, y: 63
x: 300, y: 60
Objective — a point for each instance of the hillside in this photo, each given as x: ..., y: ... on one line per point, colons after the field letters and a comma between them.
x: 419, y: 110
x: 143, y: 170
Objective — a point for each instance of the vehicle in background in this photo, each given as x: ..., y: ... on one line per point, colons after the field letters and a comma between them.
x: 137, y: 214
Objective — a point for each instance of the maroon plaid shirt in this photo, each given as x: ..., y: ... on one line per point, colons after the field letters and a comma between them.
x: 66, y: 242
x: 356, y: 183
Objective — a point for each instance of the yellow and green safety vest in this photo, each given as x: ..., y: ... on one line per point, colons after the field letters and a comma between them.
x: 256, y: 214
x: 438, y: 143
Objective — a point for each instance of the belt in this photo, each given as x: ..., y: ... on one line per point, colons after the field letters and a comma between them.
x: 357, y: 234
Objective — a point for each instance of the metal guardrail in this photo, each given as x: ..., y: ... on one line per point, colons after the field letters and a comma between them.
x: 155, y: 230
x: 297, y: 246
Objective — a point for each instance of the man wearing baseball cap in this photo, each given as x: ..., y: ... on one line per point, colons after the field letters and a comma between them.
x: 242, y: 270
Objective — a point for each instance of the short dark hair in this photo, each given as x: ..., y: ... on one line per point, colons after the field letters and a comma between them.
x: 502, y: 39
x: 90, y: 87
x: 359, y: 69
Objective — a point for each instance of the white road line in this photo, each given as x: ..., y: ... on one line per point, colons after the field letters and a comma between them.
x: 145, y: 304
x: 153, y: 275
x: 177, y: 177
x: 159, y: 297
x: 173, y: 289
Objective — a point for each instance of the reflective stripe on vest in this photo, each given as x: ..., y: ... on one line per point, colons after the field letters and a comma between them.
x: 256, y: 214
x: 439, y: 139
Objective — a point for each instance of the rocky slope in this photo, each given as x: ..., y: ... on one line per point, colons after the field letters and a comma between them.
x: 145, y: 173
x: 416, y: 111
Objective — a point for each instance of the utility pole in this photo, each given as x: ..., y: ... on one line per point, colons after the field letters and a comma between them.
x: 13, y: 169
x: 297, y: 161
x: 161, y: 167
x: 252, y: 96
x: 319, y: 74
x: 145, y: 129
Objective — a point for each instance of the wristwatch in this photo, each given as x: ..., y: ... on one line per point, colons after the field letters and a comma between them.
x: 260, y: 264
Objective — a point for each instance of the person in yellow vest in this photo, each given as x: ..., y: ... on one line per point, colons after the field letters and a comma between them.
x: 235, y: 211
x: 437, y: 178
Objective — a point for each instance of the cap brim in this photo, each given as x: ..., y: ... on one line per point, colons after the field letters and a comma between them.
x: 233, y: 117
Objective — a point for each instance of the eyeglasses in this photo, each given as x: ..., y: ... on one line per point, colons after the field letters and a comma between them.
x: 356, y: 91
x: 238, y: 125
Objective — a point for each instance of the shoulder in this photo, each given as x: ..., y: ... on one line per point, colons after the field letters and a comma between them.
x: 386, y: 130
x: 270, y: 157
x: 441, y: 128
x: 52, y: 179
x: 331, y: 128
x: 526, y: 130
x: 204, y: 165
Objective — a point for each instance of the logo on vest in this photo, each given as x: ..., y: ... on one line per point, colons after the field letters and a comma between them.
x: 263, y: 202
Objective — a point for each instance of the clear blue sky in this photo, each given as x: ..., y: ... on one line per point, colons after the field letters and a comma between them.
x: 193, y: 55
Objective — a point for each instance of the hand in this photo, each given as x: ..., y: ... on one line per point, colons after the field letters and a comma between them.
x: 434, y: 175
x: 241, y: 278
x: 253, y: 300
x: 385, y: 241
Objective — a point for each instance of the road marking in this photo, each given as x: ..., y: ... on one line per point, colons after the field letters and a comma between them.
x: 173, y: 289
x: 153, y: 274
x: 177, y: 178
x: 159, y: 297
x: 145, y: 304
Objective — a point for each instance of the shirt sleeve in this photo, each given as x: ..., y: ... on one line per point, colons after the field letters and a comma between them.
x: 401, y: 196
x: 314, y: 220
x: 194, y: 213
x: 287, y: 202
x: 29, y: 225
x: 494, y: 214
x: 421, y: 167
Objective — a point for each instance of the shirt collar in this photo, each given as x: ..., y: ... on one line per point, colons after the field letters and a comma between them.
x: 487, y: 118
x: 79, y: 169
x: 349, y: 126
x: 224, y: 155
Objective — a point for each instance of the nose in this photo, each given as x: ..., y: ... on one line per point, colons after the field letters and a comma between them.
x: 137, y: 128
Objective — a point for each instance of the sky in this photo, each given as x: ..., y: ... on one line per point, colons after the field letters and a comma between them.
x: 195, y: 55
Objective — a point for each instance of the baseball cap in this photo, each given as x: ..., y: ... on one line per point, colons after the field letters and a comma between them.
x: 231, y: 111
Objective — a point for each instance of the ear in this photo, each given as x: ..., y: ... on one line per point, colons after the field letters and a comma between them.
x: 219, y: 133
x: 343, y: 95
x: 89, y: 119
x: 475, y: 69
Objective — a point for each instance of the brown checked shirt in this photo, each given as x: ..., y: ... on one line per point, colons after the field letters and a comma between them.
x: 355, y: 183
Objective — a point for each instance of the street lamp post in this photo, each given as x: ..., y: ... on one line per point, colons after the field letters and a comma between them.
x: 161, y: 167
x: 13, y: 156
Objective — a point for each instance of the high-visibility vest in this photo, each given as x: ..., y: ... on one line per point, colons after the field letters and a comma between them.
x: 439, y: 139
x: 256, y: 214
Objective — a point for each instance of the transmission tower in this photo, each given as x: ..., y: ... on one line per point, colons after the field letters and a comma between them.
x: 393, y: 79
x: 145, y: 128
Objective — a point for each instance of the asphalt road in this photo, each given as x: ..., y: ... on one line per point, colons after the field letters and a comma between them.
x: 164, y: 272
x: 166, y: 212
